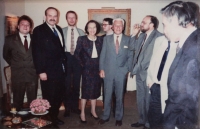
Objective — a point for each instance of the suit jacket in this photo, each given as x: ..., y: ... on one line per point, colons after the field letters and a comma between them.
x: 80, y: 32
x: 145, y: 55
x: 21, y: 62
x: 113, y: 63
x: 160, y: 46
x: 184, y: 78
x: 48, y: 53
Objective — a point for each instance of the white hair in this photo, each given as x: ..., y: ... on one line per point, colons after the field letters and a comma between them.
x: 119, y: 19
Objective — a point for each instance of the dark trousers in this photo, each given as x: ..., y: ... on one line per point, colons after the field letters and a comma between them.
x: 53, y: 91
x: 180, y: 115
x: 72, y: 83
x: 155, y: 115
x: 19, y: 89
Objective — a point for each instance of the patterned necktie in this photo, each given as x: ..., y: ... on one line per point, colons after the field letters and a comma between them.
x: 162, y: 63
x: 25, y: 43
x: 72, y: 42
x: 117, y: 45
x: 55, y: 32
x: 141, y: 47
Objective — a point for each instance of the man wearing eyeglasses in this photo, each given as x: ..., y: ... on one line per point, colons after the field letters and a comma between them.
x: 143, y: 48
x: 107, y: 26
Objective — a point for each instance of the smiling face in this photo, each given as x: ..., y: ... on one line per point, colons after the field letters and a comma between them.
x: 51, y: 17
x: 118, y: 27
x: 92, y: 29
x: 71, y: 19
x: 171, y: 28
x: 24, y: 27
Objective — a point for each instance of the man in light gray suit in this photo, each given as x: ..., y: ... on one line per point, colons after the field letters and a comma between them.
x: 143, y: 48
x: 72, y: 82
x: 115, y: 62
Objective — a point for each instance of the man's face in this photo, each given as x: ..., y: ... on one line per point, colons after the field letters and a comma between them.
x: 118, y: 27
x: 171, y: 28
x: 106, y: 27
x: 51, y: 17
x: 71, y: 19
x: 24, y: 27
x: 145, y: 24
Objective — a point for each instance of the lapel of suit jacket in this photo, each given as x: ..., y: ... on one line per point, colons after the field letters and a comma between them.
x: 179, y: 54
x: 148, y: 41
x: 111, y: 42
x: 19, y: 43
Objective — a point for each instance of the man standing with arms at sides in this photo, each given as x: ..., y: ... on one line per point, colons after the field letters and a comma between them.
x: 115, y: 63
x: 180, y: 22
x: 142, y: 48
x: 72, y: 81
x: 107, y: 26
x: 49, y: 59
x: 17, y: 52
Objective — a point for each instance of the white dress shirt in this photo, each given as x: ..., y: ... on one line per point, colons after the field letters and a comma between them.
x: 160, y: 46
x: 59, y: 35
x: 22, y: 38
x: 94, y: 49
x: 68, y: 42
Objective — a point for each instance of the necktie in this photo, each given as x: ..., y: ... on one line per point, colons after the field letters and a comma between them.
x: 72, y: 42
x: 162, y: 63
x: 177, y: 48
x: 117, y: 45
x: 141, y: 46
x: 55, y: 32
x: 25, y: 43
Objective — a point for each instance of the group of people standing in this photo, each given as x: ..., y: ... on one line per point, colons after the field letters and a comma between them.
x: 166, y: 66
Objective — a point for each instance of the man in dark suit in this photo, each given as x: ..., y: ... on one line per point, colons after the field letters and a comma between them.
x: 180, y: 22
x: 143, y: 48
x: 115, y: 63
x: 50, y: 61
x: 72, y: 82
x: 17, y: 52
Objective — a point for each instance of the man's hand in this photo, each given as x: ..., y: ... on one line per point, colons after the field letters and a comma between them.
x: 136, y: 29
x: 102, y: 73
x: 43, y: 76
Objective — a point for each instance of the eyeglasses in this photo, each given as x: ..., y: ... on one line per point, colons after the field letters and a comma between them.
x: 105, y: 24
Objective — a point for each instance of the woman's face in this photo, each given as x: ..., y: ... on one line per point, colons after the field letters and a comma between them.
x: 92, y: 29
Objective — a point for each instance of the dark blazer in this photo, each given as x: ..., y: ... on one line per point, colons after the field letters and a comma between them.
x: 184, y: 83
x: 21, y: 62
x: 48, y: 53
x: 84, y: 49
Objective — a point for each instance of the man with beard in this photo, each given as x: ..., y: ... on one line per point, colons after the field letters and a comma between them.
x: 142, y: 48
x: 49, y: 59
x: 72, y: 81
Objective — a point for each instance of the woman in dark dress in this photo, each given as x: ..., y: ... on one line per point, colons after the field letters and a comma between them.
x: 87, y: 52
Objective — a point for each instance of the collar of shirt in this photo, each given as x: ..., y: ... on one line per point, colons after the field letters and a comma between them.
x: 148, y: 33
x: 119, y: 38
x: 22, y: 38
x: 185, y: 36
x: 51, y: 26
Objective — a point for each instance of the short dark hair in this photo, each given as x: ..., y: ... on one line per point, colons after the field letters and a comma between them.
x: 186, y: 12
x: 109, y: 20
x: 154, y: 20
x: 97, y: 26
x: 71, y: 12
x: 26, y: 18
x: 51, y: 8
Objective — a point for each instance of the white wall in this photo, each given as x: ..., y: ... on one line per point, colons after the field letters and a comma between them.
x: 139, y: 9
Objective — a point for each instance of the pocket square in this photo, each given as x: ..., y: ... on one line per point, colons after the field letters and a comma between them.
x: 125, y: 46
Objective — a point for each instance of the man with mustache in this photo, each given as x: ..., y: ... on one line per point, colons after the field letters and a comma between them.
x: 72, y: 81
x: 50, y: 61
x: 142, y: 48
